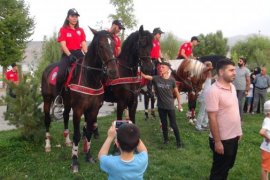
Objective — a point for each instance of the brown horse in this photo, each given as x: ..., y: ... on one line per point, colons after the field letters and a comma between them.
x: 85, y: 90
x: 135, y: 53
x: 190, y: 77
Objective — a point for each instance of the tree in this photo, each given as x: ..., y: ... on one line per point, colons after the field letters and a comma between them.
x: 51, y: 52
x: 124, y: 11
x: 256, y: 49
x: 169, y: 46
x: 15, y: 27
x: 24, y: 111
x: 212, y: 44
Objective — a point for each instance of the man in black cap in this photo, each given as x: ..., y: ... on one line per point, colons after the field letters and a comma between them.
x: 116, y: 27
x: 185, y: 50
x: 165, y: 87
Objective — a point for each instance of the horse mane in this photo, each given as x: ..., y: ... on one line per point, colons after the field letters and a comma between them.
x: 130, y: 44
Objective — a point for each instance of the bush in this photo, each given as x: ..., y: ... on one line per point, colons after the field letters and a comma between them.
x: 24, y: 110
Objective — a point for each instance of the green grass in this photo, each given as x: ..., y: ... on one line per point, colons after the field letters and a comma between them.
x: 20, y: 159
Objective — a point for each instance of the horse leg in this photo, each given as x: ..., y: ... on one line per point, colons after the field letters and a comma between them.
x: 132, y: 109
x: 120, y: 109
x: 46, y: 108
x: 146, y: 102
x: 95, y: 127
x: 191, y: 107
x: 88, y: 131
x: 76, y: 139
x: 68, y: 142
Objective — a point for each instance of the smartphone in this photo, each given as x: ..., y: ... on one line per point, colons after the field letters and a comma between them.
x: 118, y: 123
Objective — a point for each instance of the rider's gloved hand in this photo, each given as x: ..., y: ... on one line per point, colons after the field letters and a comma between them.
x: 72, y: 58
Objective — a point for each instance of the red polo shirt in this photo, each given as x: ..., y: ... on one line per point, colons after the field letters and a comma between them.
x: 117, y: 43
x: 73, y: 37
x: 155, y: 50
x: 12, y: 76
x: 187, y: 47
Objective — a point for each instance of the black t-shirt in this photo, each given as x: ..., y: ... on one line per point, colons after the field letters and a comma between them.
x: 164, y: 91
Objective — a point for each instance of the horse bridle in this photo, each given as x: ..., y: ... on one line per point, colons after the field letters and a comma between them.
x: 104, y: 63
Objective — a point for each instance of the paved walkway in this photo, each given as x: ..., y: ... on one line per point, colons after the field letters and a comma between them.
x: 104, y: 111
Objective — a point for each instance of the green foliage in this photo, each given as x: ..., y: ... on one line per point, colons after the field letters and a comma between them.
x: 124, y: 11
x: 24, y: 111
x: 51, y: 52
x: 20, y: 159
x: 169, y: 45
x: 256, y: 49
x: 15, y: 27
x: 211, y: 44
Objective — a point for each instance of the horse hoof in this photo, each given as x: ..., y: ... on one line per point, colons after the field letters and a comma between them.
x: 191, y: 122
x: 75, y: 168
x: 48, y: 149
x: 90, y: 160
x: 68, y: 144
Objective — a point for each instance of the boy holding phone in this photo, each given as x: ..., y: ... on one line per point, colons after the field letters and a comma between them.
x: 127, y: 165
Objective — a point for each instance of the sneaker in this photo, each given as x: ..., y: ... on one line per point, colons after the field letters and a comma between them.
x: 200, y: 128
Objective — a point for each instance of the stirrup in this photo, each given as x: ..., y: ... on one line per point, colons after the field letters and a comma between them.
x: 58, y: 107
x: 58, y: 101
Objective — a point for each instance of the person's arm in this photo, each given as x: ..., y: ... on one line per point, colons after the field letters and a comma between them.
x: 106, y: 146
x: 183, y: 53
x: 146, y: 76
x: 178, y: 98
x: 141, y: 147
x: 264, y: 134
x: 84, y: 47
x: 64, y: 48
x: 247, y: 84
x: 215, y: 132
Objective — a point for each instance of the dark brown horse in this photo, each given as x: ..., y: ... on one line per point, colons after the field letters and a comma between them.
x: 85, y: 90
x: 135, y: 53
x: 190, y: 77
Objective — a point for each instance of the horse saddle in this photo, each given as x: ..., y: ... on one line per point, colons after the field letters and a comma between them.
x: 54, y: 71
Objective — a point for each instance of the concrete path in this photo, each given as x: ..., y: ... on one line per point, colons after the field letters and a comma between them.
x: 104, y: 111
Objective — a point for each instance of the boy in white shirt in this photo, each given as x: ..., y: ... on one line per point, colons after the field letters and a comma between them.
x: 265, y: 146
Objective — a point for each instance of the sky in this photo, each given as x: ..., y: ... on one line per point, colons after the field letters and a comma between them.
x: 183, y: 18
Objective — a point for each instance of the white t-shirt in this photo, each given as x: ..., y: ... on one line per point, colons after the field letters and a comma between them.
x: 250, y: 92
x: 266, y: 125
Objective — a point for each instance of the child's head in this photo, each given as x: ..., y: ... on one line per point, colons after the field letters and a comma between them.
x: 266, y: 108
x: 128, y: 137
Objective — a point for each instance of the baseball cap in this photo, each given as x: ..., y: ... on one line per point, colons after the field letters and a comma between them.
x: 157, y: 30
x: 119, y: 23
x: 195, y: 38
x: 13, y: 64
x: 73, y: 11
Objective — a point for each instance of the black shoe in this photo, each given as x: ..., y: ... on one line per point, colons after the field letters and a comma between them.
x: 165, y: 142
x: 146, y: 116
x: 179, y: 145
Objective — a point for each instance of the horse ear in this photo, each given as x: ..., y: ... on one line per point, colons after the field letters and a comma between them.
x: 141, y: 29
x: 93, y: 30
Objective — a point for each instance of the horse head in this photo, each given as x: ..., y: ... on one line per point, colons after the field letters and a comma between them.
x: 136, y: 51
x: 144, y: 49
x: 102, y: 48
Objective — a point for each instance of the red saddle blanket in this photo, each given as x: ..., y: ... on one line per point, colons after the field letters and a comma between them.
x: 74, y: 87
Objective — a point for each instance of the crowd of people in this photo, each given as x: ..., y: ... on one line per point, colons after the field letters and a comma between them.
x: 221, y: 111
